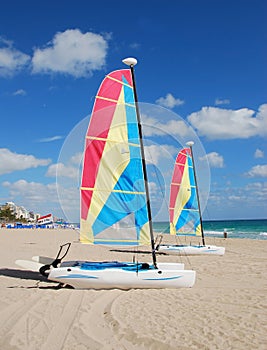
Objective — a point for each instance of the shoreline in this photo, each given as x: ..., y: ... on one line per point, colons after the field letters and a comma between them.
x: 226, y: 308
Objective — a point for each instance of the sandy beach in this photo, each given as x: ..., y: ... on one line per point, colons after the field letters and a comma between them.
x: 226, y: 309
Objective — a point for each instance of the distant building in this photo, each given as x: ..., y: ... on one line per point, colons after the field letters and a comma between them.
x: 20, y: 212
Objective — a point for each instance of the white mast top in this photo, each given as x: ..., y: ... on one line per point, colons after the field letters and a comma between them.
x: 190, y: 143
x: 130, y: 61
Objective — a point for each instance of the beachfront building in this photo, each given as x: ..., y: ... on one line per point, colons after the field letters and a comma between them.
x: 20, y: 212
x: 15, y: 216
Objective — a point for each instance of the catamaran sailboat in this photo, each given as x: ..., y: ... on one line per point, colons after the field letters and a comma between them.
x: 184, y: 208
x: 115, y: 207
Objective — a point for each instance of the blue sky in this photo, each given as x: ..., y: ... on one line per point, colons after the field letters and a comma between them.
x: 203, y: 61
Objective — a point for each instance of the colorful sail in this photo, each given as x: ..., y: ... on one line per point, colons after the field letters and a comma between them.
x: 184, y: 210
x: 113, y: 199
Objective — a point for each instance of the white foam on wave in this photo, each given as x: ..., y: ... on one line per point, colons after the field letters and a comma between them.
x: 217, y: 232
x: 213, y: 233
x: 263, y: 234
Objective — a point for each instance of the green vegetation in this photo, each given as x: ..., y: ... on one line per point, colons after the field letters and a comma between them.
x: 6, y: 215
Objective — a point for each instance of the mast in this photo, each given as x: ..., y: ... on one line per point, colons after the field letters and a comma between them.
x: 132, y: 62
x: 190, y: 144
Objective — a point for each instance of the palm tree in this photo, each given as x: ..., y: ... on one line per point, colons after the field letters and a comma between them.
x: 6, y: 214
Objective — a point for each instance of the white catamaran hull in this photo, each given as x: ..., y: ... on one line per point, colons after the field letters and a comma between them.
x: 80, y: 276
x: 191, y: 249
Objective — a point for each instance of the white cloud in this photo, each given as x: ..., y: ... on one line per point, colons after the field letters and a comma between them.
x: 62, y: 170
x: 219, y: 101
x: 236, y: 198
x: 214, y: 159
x: 155, y: 153
x: 10, y: 161
x: 35, y: 191
x: 50, y: 139
x: 169, y: 101
x: 152, y: 127
x: 69, y: 170
x: 216, y: 123
x: 44, y: 199
x: 257, y: 190
x: 20, y: 92
x: 77, y: 158
x: 11, y: 60
x: 242, y: 201
x: 257, y: 171
x: 258, y: 153
x: 71, y: 52
x: 134, y: 46
x: 153, y: 188
x: 152, y: 154
x: 256, y: 186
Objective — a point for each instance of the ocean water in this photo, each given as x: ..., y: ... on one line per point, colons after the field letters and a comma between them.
x: 252, y: 229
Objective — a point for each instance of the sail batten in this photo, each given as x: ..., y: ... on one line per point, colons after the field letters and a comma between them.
x: 179, y: 184
x: 189, y: 209
x: 111, y: 100
x: 106, y: 139
x: 183, y: 207
x: 113, y: 197
x: 104, y: 190
x: 183, y: 165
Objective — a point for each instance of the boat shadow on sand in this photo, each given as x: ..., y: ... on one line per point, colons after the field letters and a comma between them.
x: 28, y: 275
